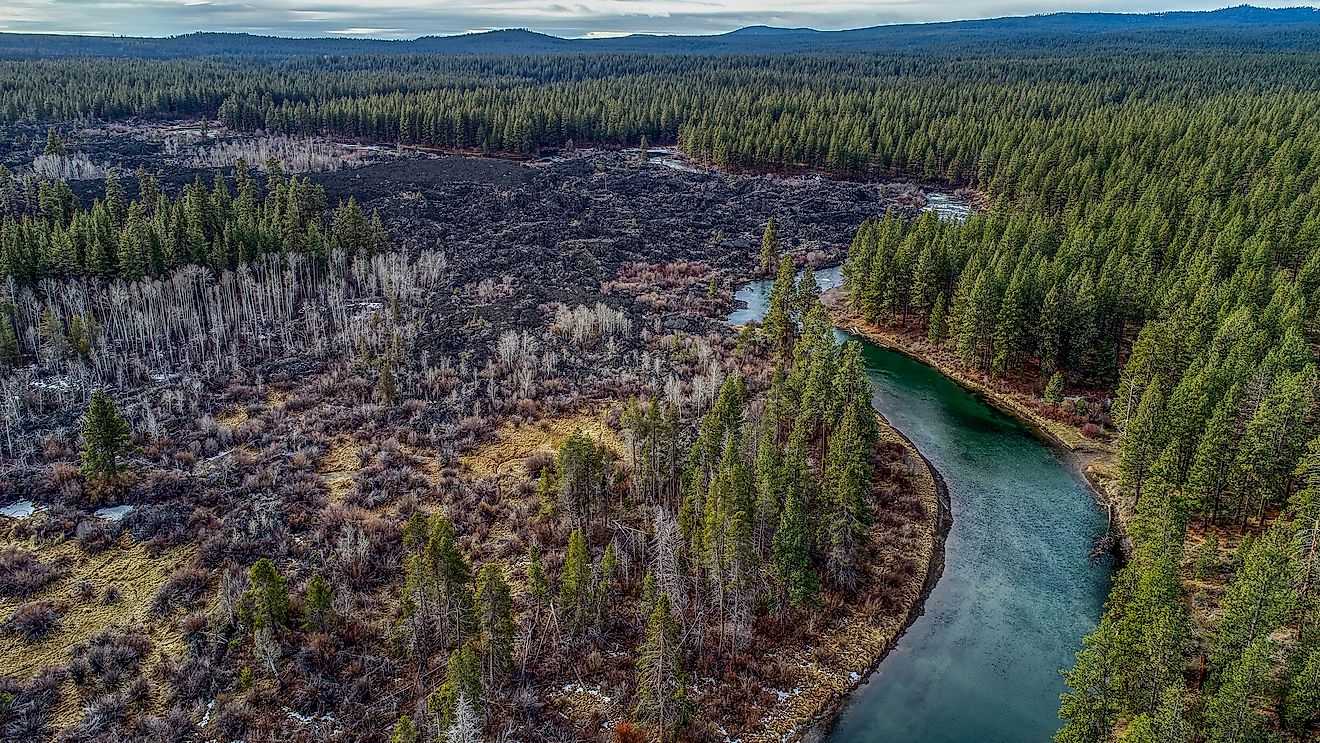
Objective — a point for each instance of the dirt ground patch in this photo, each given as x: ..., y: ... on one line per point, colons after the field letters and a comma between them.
x: 514, y: 444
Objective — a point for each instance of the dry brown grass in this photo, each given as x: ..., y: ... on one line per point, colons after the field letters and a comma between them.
x: 514, y: 444
x: 233, y: 418
x: 126, y: 568
x: 338, y: 466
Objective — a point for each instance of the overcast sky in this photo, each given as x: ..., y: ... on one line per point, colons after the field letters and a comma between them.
x: 407, y: 19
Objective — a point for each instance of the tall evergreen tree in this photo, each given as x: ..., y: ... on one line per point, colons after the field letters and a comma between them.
x: 494, y: 620
x: 575, y: 581
x: 462, y: 682
x: 318, y: 605
x: 107, y: 438
x: 847, y: 481
x: 792, y: 554
x: 1143, y: 439
x: 769, y: 246
x: 662, y: 704
x: 1231, y: 713
x: 780, y: 321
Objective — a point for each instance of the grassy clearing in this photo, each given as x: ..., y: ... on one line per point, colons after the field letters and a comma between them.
x: 515, y: 444
x: 338, y: 467
x: 234, y: 418
x: 126, y: 569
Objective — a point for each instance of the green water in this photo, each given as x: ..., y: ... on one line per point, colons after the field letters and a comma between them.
x: 1019, y: 589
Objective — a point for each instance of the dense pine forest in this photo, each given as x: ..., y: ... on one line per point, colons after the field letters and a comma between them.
x: 318, y: 411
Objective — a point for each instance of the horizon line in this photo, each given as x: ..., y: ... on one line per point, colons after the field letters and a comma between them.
x: 606, y: 36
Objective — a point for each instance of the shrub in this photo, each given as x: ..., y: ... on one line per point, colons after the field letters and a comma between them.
x: 33, y: 621
x: 110, y: 659
x: 181, y: 589
x: 21, y: 573
x: 628, y: 732
x: 28, y: 713
x: 94, y: 536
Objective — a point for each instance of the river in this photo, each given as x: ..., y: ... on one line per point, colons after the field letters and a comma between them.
x: 1019, y: 589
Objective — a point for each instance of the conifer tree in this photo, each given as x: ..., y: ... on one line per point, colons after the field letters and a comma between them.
x: 1259, y: 600
x: 494, y: 615
x: 462, y: 681
x: 792, y: 554
x: 578, y: 483
x: 9, y: 353
x: 318, y: 605
x: 1212, y: 464
x: 405, y: 731
x: 1143, y: 439
x: 437, y: 600
x: 81, y: 330
x: 779, y: 323
x: 50, y: 332
x: 575, y: 582
x: 1048, y: 342
x: 116, y: 198
x: 54, y: 143
x: 807, y: 294
x: 1054, y: 389
x: 937, y: 328
x: 770, y: 481
x: 1275, y: 437
x: 1231, y: 713
x: 847, y: 480
x: 265, y: 603
x: 1301, y: 704
x: 1010, y: 333
x: 1091, y: 707
x: 769, y: 245
x: 605, y: 589
x: 1169, y: 723
x: 107, y: 438
x: 662, y: 704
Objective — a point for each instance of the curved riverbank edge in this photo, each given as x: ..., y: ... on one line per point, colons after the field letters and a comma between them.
x: 831, y: 682
x: 1096, y: 461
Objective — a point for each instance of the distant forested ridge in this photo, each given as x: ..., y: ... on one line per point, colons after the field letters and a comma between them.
x: 1240, y: 27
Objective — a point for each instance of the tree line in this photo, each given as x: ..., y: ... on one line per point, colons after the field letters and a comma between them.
x: 51, y: 235
x: 1039, y: 123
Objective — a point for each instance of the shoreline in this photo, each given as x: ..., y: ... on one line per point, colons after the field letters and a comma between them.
x: 835, y: 683
x: 1095, y: 461
x: 819, y: 728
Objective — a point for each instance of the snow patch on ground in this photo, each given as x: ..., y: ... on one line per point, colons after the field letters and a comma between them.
x: 114, y: 513
x: 19, y: 509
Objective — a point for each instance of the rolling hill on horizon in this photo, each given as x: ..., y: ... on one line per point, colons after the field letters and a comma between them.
x: 1242, y: 27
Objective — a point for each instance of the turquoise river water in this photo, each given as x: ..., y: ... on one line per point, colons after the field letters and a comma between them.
x: 1019, y: 589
